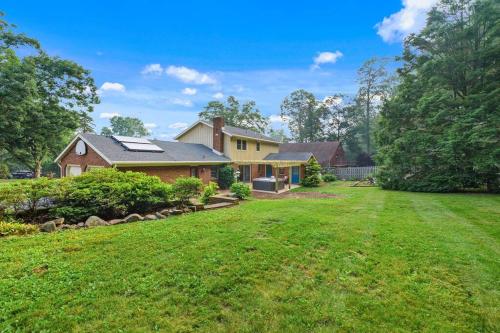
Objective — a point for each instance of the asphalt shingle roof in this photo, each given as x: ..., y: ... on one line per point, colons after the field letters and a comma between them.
x: 322, y: 151
x: 292, y: 156
x: 236, y: 131
x: 172, y: 151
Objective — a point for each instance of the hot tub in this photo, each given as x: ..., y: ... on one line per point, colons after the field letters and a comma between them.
x: 267, y: 184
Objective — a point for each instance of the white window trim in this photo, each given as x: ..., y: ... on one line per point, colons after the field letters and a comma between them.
x: 72, y: 165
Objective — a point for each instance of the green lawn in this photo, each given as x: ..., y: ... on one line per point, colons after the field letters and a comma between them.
x: 366, y: 261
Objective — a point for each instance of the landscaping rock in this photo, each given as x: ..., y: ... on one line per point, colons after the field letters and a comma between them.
x: 133, y: 218
x: 95, y: 221
x: 116, y: 221
x: 80, y: 225
x: 150, y: 217
x: 48, y: 227
x: 59, y: 222
x: 160, y: 215
x: 68, y: 226
x: 166, y: 212
x: 176, y: 211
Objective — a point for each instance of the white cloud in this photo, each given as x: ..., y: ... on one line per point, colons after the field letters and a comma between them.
x: 189, y: 75
x: 325, y: 58
x: 112, y: 86
x: 152, y: 69
x: 150, y: 125
x: 276, y: 118
x: 410, y: 19
x: 218, y: 95
x: 108, y: 115
x: 178, y: 125
x: 189, y: 91
x: 183, y: 102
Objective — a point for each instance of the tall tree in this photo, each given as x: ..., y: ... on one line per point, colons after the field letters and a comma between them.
x: 278, y: 135
x: 440, y: 131
x: 374, y: 87
x: 126, y: 126
x: 43, y: 100
x: 305, y: 114
x: 245, y: 116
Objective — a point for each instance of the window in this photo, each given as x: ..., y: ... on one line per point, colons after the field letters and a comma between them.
x: 73, y: 170
x: 194, y: 172
x: 281, y: 171
x: 258, y: 146
x: 241, y: 144
x: 214, y: 172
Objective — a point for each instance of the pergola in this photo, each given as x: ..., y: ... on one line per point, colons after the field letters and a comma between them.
x: 276, y: 164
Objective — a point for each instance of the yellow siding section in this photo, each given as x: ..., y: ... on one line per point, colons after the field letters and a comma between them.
x: 227, y: 145
x: 251, y: 154
x: 201, y: 133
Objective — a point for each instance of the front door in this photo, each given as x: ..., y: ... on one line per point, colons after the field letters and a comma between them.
x: 269, y: 170
x: 295, y: 175
x: 245, y: 173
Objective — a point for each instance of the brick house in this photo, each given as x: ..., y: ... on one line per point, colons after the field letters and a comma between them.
x: 200, y: 151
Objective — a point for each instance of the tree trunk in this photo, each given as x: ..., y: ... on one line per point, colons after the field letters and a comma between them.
x: 38, y: 169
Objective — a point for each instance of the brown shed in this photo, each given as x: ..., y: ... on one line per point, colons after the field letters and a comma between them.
x: 328, y: 153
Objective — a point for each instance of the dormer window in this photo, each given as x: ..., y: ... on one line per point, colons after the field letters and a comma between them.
x: 241, y: 144
x: 257, y: 147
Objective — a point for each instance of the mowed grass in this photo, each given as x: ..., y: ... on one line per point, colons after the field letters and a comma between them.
x: 367, y: 261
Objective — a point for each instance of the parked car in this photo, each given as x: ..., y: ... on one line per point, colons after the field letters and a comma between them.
x: 22, y: 174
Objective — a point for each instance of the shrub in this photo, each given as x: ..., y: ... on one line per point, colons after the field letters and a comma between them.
x: 241, y: 190
x: 312, y: 174
x: 110, y: 193
x: 186, y: 188
x: 208, y: 191
x: 329, y: 177
x: 28, y: 196
x: 226, y: 177
x: 15, y: 228
x: 4, y: 171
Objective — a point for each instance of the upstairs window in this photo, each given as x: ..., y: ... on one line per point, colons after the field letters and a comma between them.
x: 258, y: 146
x: 241, y: 144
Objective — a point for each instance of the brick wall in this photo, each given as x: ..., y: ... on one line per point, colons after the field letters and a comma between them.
x: 91, y: 158
x: 169, y: 174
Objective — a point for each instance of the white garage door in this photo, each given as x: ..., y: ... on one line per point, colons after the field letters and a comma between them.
x: 73, y: 170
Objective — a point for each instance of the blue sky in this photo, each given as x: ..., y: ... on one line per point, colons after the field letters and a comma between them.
x: 163, y: 61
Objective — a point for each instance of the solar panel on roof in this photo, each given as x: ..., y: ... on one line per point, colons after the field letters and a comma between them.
x: 141, y: 146
x: 130, y: 139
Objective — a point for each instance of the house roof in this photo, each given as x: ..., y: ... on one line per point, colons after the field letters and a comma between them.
x: 231, y: 131
x: 323, y: 151
x: 289, y: 156
x: 173, y: 152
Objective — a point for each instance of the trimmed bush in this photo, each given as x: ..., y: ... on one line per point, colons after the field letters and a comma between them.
x: 186, y: 188
x: 15, y: 228
x: 26, y: 197
x: 241, y: 190
x: 208, y: 191
x: 109, y: 193
x: 226, y: 177
x: 312, y: 176
x: 328, y: 177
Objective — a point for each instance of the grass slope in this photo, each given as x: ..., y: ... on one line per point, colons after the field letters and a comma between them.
x: 369, y: 260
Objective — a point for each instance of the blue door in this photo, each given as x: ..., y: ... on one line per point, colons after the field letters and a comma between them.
x: 295, y: 175
x: 269, y: 170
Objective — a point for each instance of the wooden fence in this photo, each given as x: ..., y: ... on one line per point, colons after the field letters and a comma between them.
x: 352, y: 173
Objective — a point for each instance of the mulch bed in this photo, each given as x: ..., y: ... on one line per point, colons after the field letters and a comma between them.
x: 292, y: 195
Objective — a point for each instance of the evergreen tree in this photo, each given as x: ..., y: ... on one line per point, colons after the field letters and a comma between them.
x: 440, y: 130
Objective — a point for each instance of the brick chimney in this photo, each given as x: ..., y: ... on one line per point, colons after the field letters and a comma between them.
x: 218, y: 136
